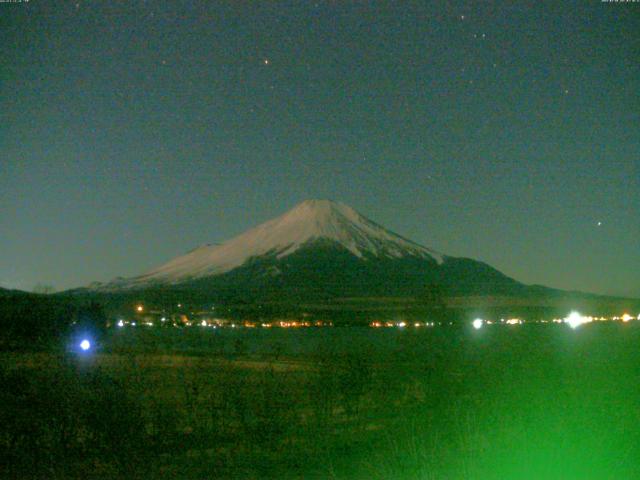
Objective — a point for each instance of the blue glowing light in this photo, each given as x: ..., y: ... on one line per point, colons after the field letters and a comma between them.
x: 85, y: 345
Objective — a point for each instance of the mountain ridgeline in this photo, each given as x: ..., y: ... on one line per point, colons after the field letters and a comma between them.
x: 319, y: 250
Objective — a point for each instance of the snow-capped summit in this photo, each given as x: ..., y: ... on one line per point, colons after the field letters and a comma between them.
x: 307, y: 222
x: 318, y: 250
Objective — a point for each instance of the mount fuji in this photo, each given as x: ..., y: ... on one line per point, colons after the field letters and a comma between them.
x: 320, y: 248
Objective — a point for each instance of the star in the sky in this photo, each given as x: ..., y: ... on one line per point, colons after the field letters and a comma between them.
x: 266, y: 61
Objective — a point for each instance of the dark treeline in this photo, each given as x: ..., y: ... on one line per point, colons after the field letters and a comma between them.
x: 33, y: 321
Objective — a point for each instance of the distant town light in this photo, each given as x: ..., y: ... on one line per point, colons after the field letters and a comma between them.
x: 575, y: 320
x: 626, y: 317
x: 120, y: 323
x: 402, y: 324
x: 477, y: 323
x: 139, y: 308
x: 85, y: 345
x: 203, y: 323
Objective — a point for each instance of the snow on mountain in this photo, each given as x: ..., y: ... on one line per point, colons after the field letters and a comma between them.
x: 311, y: 220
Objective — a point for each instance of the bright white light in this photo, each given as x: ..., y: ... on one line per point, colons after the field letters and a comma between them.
x: 477, y: 323
x: 626, y: 317
x: 85, y: 345
x: 575, y: 320
x: 402, y: 324
x: 120, y: 323
x: 203, y: 323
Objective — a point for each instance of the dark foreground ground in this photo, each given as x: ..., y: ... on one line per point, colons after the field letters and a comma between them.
x: 518, y: 402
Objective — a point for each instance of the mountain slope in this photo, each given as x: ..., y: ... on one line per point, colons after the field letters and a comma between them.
x: 309, y: 221
x: 324, y: 269
x: 319, y: 249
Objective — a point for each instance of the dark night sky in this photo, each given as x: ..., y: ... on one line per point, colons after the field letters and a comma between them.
x: 134, y: 131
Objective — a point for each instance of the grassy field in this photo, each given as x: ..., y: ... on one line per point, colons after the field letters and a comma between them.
x: 504, y: 402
